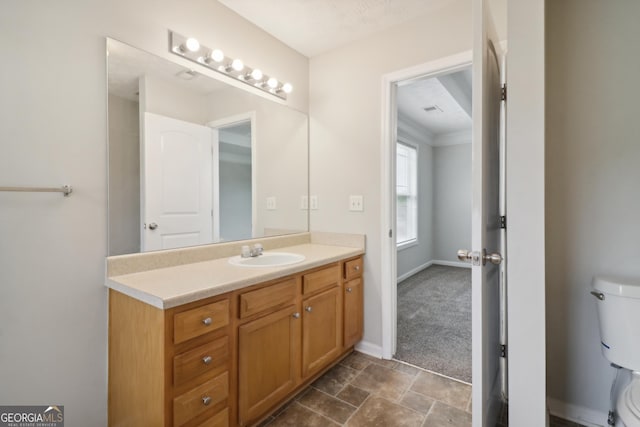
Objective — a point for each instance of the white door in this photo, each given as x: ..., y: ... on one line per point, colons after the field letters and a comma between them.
x: 176, y: 183
x: 486, y: 231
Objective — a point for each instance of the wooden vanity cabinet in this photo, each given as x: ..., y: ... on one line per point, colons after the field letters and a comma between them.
x: 169, y: 367
x: 321, y: 319
x: 231, y: 359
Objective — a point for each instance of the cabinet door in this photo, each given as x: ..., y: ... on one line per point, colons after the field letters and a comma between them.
x: 321, y: 330
x: 353, y: 312
x: 268, y: 364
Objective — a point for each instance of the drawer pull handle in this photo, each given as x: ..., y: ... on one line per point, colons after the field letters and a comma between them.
x: 349, y: 290
x: 296, y: 315
x: 207, y: 360
x: 207, y: 321
x: 308, y: 309
x: 356, y: 268
x: 206, y: 400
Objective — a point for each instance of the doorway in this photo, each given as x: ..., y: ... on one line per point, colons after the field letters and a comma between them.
x: 433, y: 220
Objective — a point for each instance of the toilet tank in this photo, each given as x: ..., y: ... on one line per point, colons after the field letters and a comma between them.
x: 618, y: 307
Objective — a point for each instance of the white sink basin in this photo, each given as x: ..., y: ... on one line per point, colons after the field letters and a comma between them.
x: 267, y: 259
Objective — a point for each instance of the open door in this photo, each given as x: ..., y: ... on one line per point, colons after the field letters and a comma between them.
x: 177, y: 183
x: 487, y: 251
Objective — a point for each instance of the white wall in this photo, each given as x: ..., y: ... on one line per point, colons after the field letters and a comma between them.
x: 53, y: 306
x: 592, y: 183
x: 413, y: 258
x: 124, y: 181
x: 345, y: 108
x: 525, y: 213
x: 452, y: 201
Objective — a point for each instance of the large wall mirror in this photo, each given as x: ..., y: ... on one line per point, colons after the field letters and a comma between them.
x: 193, y: 160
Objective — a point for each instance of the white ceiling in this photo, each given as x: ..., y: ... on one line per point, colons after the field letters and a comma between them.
x: 315, y: 26
x: 452, y: 96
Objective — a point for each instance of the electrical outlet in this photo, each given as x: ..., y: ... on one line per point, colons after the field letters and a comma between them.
x: 356, y: 203
x: 271, y: 203
x: 314, y: 202
x: 304, y: 202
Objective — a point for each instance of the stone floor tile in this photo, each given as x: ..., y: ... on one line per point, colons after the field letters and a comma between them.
x: 335, y: 379
x: 353, y: 395
x: 382, y: 381
x: 357, y: 361
x: 407, y: 369
x: 442, y: 415
x: 327, y: 405
x: 416, y: 401
x: 379, y: 412
x: 297, y: 415
x: 450, y: 392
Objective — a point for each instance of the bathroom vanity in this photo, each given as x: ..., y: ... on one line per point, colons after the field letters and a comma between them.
x: 208, y: 343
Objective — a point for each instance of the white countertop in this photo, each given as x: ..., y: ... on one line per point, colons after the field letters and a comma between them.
x: 172, y: 286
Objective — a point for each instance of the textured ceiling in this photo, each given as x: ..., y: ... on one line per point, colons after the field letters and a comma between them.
x: 315, y: 26
x: 450, y: 93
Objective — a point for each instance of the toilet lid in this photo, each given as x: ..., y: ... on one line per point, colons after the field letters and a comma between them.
x: 632, y: 397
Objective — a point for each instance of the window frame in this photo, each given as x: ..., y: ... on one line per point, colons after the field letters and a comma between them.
x: 413, y: 241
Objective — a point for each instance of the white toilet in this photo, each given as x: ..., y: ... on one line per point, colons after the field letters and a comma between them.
x: 618, y: 306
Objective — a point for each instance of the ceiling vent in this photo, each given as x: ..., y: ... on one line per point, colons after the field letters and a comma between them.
x: 432, y: 109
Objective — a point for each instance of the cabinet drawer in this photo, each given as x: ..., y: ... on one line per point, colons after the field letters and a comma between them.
x: 353, y: 268
x: 206, y: 358
x: 199, y: 399
x: 268, y: 298
x: 199, y: 321
x: 321, y: 279
x: 221, y: 419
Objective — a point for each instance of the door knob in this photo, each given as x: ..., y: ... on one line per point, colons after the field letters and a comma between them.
x: 477, y: 259
x: 153, y: 226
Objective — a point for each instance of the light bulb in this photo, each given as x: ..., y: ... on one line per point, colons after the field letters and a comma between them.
x: 237, y: 65
x: 256, y: 74
x: 272, y: 82
x: 287, y: 88
x: 217, y: 55
x: 192, y: 44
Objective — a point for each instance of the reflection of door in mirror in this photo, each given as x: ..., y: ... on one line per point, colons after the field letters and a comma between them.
x: 177, y: 184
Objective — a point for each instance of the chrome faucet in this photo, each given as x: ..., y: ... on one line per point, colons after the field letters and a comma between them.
x: 247, y: 252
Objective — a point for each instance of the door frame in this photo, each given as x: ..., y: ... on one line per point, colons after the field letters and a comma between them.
x: 217, y: 124
x: 388, y: 291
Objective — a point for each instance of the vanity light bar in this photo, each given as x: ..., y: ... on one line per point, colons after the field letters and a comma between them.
x: 215, y: 59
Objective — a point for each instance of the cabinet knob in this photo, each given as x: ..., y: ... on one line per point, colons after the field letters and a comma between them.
x: 296, y: 315
x: 349, y: 290
x: 206, y: 400
x: 308, y: 309
x: 356, y: 268
x: 207, y: 321
x: 207, y: 360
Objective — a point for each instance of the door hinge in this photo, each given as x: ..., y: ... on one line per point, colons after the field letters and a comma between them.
x: 390, y: 233
x: 503, y: 222
x: 503, y: 350
x: 503, y: 92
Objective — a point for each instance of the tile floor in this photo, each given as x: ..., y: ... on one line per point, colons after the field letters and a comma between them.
x: 362, y: 391
x: 365, y: 391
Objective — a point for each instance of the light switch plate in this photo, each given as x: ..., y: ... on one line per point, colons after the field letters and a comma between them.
x: 314, y: 202
x: 356, y: 203
x: 304, y: 202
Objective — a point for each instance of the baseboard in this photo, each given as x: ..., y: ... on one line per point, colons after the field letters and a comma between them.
x: 369, y: 348
x: 414, y: 271
x: 451, y: 263
x: 575, y: 413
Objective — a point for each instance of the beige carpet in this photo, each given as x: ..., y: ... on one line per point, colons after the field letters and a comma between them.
x: 434, y: 321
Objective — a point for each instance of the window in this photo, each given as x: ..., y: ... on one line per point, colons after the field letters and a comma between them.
x: 406, y: 194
